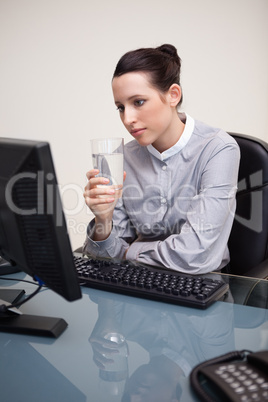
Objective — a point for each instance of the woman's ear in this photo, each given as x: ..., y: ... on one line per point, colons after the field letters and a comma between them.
x: 175, y: 94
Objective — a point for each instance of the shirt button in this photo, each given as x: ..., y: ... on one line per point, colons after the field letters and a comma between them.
x: 163, y: 200
x: 164, y: 167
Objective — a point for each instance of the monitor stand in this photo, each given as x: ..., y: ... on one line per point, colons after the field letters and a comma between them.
x: 32, y: 324
x: 9, y: 295
x: 16, y: 322
x: 6, y: 268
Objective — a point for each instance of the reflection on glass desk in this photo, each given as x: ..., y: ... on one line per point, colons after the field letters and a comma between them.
x: 120, y: 349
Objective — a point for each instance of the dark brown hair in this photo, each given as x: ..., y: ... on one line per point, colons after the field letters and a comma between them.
x: 162, y: 63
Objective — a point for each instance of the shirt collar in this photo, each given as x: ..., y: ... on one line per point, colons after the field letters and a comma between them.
x: 186, y: 135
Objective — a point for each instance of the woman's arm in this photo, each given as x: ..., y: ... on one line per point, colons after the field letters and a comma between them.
x: 122, y: 234
x: 201, y: 244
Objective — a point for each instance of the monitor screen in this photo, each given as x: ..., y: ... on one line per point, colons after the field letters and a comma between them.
x: 33, y: 230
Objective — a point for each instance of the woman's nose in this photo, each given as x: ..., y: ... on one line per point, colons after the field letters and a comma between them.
x: 129, y: 116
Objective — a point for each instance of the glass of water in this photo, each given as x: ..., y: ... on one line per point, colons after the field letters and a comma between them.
x: 108, y: 158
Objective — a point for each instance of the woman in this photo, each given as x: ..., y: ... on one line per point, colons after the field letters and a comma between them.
x: 178, y: 200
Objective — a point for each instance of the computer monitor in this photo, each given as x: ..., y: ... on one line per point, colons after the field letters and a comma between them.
x: 33, y: 230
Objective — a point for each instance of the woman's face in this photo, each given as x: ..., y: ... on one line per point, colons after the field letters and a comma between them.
x: 148, y: 115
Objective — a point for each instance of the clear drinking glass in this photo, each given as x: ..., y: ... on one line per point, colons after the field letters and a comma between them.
x: 108, y: 158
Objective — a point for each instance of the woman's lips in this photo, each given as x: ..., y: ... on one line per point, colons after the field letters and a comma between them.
x: 136, y: 132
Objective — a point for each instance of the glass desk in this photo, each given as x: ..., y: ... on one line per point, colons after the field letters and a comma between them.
x: 157, y: 344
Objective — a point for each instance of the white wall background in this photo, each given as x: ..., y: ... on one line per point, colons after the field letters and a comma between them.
x: 57, y: 58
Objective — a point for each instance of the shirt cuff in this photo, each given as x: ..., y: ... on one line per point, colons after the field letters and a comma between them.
x: 135, y: 249
x: 96, y: 246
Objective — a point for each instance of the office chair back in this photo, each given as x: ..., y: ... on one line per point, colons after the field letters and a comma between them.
x: 248, y: 242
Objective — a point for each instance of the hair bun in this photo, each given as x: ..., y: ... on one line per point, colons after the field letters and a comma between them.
x: 169, y: 49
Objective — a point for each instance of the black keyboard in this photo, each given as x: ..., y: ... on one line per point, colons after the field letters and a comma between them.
x: 149, y: 282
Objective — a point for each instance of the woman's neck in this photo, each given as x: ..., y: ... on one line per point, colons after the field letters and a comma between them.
x: 171, y: 136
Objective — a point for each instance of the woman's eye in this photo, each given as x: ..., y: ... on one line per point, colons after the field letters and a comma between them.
x: 120, y: 108
x: 139, y: 102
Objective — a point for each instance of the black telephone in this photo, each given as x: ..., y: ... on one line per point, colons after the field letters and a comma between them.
x: 239, y: 376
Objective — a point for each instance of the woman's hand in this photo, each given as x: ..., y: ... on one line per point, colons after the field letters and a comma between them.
x: 101, y: 199
x: 103, y: 351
